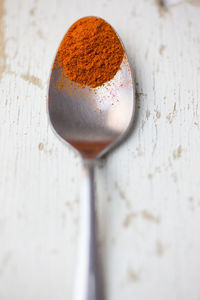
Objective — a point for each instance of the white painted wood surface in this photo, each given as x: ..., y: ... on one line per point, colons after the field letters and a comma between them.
x: 148, y: 190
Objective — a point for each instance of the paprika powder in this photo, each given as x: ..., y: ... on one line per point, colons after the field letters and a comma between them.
x: 90, y: 52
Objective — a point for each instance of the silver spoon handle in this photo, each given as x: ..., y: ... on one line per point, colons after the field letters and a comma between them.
x: 87, y: 286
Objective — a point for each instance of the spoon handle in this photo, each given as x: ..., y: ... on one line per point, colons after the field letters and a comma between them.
x: 87, y: 285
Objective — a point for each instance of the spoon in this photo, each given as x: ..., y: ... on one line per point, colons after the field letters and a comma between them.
x: 91, y: 121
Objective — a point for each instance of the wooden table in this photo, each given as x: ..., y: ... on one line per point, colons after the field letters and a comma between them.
x: 148, y: 189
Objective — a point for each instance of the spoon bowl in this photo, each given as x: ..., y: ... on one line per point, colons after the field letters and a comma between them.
x: 91, y: 119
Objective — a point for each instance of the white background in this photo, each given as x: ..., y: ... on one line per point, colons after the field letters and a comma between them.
x: 148, y: 189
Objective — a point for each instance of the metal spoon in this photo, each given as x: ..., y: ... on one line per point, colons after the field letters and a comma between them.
x: 92, y: 121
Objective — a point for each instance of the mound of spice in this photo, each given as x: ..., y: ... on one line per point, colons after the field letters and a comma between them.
x: 90, y: 53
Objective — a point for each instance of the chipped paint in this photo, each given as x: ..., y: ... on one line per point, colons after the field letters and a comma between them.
x: 150, y: 176
x: 158, y: 114
x: 139, y: 151
x: 178, y: 152
x: 133, y: 276
x: 162, y: 49
x: 133, y: 12
x: 160, y: 249
x: 40, y: 34
x: 194, y: 203
x: 174, y: 177
x: 41, y: 146
x: 32, y: 11
x: 171, y: 116
x: 191, y: 199
x: 129, y: 218
x: 150, y: 217
x: 147, y: 114
x: 121, y: 193
x: 32, y: 79
x: 5, y: 262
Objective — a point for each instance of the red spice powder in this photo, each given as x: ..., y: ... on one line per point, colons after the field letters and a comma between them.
x: 90, y: 53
